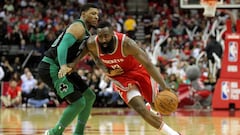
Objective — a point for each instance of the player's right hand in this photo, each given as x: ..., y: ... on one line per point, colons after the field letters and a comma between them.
x: 63, y: 71
x: 115, y: 72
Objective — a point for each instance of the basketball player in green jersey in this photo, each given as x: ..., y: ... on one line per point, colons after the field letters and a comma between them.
x: 68, y: 85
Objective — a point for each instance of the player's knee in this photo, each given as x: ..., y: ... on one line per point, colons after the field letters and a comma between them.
x: 73, y: 97
x: 89, y: 95
x: 78, y: 83
x: 140, y: 108
x: 81, y: 102
x: 92, y: 95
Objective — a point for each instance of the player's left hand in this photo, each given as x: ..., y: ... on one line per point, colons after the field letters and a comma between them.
x: 73, y: 66
x: 63, y: 71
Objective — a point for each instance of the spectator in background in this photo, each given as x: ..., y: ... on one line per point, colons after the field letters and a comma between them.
x: 105, y: 90
x: 108, y: 96
x: 8, y: 70
x: 83, y: 73
x: 38, y: 39
x: 50, y: 36
x: 16, y: 36
x: 24, y: 27
x: 117, y: 25
x: 16, y: 77
x: 202, y: 94
x: 37, y: 36
x: 169, y: 50
x: 27, y: 86
x: 17, y: 65
x: 24, y: 75
x: 23, y: 45
x: 8, y: 6
x: 3, y: 31
x: 1, y: 73
x: 173, y: 81
x: 94, y: 85
x: 13, y: 95
x: 147, y: 22
x: 158, y: 33
x: 213, y: 47
x: 130, y: 27
x: 39, y: 96
x: 38, y: 50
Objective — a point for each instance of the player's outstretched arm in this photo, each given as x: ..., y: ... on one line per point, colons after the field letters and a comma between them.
x: 131, y: 48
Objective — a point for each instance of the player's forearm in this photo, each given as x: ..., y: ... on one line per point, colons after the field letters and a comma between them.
x: 161, y: 81
x: 62, y: 50
x: 152, y: 70
x: 99, y: 63
x: 156, y: 75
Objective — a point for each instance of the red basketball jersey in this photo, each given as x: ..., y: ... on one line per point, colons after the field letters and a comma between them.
x: 117, y: 59
x: 134, y: 72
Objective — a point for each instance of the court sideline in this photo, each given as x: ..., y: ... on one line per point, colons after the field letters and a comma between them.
x: 120, y: 121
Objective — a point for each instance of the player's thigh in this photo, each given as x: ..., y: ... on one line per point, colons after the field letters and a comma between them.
x: 48, y: 72
x: 149, y: 89
x: 127, y: 93
x: 79, y: 87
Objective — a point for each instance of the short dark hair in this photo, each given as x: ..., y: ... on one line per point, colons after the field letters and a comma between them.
x: 87, y: 6
x: 103, y: 24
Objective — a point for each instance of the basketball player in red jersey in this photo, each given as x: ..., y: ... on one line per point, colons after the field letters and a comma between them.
x: 131, y: 70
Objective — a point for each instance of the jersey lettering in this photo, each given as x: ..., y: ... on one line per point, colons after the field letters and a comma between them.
x: 116, y: 66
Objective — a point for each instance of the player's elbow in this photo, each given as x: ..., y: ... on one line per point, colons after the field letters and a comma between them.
x: 148, y: 64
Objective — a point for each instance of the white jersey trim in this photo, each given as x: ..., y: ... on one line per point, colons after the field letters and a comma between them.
x: 123, y: 38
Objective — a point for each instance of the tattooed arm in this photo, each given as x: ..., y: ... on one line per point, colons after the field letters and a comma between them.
x: 99, y: 63
x: 130, y: 47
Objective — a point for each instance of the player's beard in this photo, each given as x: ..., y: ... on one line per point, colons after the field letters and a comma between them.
x: 107, y: 47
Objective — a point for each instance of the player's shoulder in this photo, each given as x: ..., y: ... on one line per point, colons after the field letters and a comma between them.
x: 128, y: 42
x: 77, y: 29
x: 76, y: 26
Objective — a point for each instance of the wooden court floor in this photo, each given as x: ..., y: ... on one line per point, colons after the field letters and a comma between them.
x: 120, y: 121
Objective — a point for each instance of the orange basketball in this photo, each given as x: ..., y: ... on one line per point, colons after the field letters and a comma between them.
x: 166, y: 102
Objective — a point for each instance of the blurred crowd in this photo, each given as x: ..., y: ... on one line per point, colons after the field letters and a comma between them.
x: 174, y: 38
